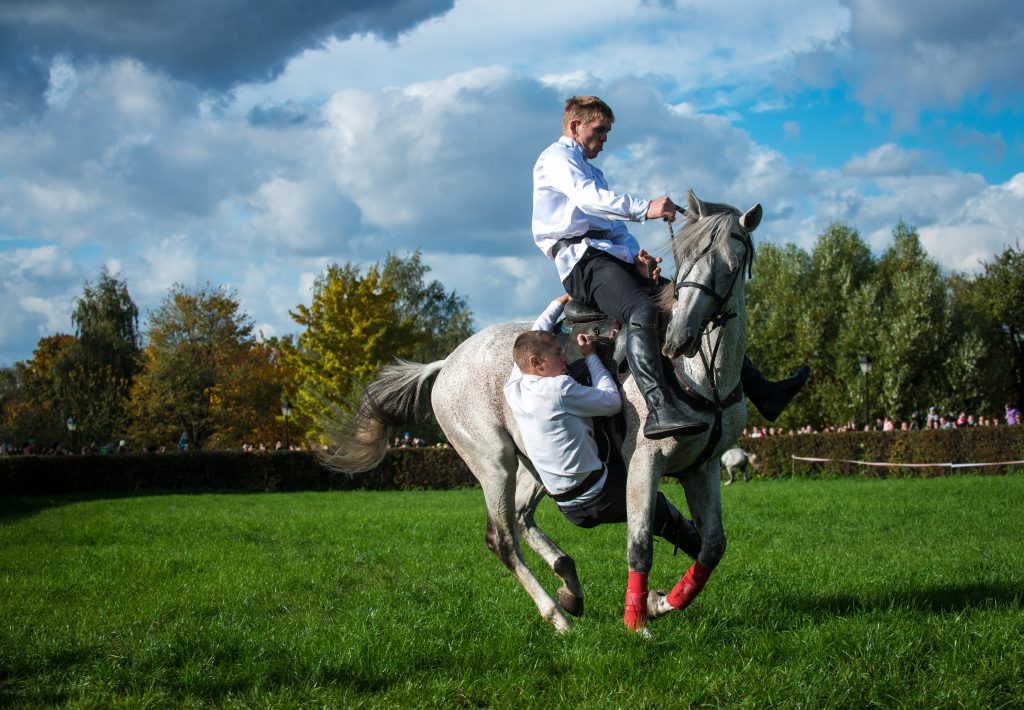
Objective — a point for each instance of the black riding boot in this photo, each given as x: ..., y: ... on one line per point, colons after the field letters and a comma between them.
x: 770, y: 397
x: 670, y: 525
x: 644, y: 357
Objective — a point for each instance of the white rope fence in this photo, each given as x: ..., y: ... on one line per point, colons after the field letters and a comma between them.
x: 886, y: 464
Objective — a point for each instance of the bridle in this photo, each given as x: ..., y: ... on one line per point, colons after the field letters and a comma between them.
x: 717, y: 404
x: 681, y: 281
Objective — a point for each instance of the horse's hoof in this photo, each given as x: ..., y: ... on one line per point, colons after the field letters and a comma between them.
x: 657, y: 604
x: 728, y: 482
x: 570, y: 603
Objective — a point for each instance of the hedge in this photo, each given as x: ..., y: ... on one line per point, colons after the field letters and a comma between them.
x: 401, y: 469
x: 404, y: 469
x: 928, y: 446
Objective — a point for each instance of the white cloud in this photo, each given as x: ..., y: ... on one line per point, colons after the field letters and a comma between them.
x: 888, y: 159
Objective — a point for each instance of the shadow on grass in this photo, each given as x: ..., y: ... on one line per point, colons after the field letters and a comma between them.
x: 16, y: 507
x: 937, y: 599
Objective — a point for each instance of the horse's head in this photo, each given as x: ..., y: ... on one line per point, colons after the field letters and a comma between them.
x: 711, y: 254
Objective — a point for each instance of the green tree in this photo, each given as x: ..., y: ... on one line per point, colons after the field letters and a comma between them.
x: 913, y: 341
x: 989, y: 312
x: 198, y: 342
x: 439, y: 320
x: 781, y: 335
x: 841, y: 270
x: 95, y: 375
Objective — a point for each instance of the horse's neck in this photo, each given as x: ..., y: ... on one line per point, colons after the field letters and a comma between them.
x: 726, y: 359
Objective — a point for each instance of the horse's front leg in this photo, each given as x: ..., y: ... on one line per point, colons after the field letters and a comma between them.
x: 704, y: 498
x: 641, y: 496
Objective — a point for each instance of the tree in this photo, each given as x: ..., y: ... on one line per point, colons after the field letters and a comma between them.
x: 439, y: 320
x: 914, y: 341
x: 358, y: 322
x: 780, y: 333
x: 95, y: 375
x: 200, y: 345
x: 31, y: 402
x: 989, y: 307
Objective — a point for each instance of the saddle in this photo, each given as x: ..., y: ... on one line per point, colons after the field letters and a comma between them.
x: 584, y: 319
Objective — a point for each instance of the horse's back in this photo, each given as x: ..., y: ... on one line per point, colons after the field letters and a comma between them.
x: 468, y: 396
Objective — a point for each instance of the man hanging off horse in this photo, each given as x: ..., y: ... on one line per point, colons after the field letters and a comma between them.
x: 580, y: 224
x: 554, y: 414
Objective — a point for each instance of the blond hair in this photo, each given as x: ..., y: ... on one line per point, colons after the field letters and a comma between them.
x: 585, y: 109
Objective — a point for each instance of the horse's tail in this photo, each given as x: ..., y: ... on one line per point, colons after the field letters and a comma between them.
x: 360, y: 440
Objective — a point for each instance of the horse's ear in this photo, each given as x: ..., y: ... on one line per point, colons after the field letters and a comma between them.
x: 696, y: 208
x: 752, y: 218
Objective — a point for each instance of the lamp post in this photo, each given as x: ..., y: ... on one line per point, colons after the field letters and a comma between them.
x: 865, y: 367
x: 72, y: 425
x: 286, y: 410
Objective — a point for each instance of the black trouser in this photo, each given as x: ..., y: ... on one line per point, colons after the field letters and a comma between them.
x: 612, y: 285
x: 610, y: 507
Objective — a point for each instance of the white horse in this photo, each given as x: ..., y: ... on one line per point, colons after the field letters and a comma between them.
x: 706, y: 317
x: 737, y: 460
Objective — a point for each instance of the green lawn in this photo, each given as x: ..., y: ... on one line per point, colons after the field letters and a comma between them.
x: 833, y: 593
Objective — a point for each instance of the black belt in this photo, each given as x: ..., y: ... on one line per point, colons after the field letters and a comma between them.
x: 589, y: 482
x: 563, y: 243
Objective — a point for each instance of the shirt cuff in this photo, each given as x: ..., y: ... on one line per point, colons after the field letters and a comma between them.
x: 640, y: 215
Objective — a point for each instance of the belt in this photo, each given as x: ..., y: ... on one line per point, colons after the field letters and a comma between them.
x: 563, y: 243
x: 589, y: 482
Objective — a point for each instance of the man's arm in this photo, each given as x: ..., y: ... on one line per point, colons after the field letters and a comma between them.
x: 549, y: 318
x: 600, y: 400
x: 564, y: 175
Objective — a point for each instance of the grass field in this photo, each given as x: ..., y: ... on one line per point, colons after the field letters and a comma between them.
x: 833, y: 593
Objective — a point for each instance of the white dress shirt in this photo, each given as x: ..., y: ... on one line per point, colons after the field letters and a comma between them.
x: 570, y: 198
x: 554, y: 417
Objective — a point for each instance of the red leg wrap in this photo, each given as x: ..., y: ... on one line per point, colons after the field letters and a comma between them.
x: 636, y: 601
x: 689, y: 586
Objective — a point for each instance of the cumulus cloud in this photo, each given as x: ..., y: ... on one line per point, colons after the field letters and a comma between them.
x: 905, y: 57
x: 887, y: 159
x: 211, y: 44
x: 451, y: 159
x: 37, y: 286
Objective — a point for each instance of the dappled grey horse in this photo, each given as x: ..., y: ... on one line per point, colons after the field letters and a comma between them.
x: 705, y: 338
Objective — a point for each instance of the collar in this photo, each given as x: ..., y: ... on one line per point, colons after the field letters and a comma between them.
x: 572, y: 145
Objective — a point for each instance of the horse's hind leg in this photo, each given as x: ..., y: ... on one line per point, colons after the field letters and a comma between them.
x: 529, y: 493
x: 497, y: 475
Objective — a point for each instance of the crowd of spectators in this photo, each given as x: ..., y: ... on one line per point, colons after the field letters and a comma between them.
x: 933, y: 420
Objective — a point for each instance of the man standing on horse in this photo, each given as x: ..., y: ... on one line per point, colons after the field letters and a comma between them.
x: 579, y: 222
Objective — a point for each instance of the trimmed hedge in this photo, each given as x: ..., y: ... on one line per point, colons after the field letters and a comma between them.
x: 932, y: 446
x: 404, y: 469
x: 401, y: 469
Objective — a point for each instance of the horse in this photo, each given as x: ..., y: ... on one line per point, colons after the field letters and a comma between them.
x: 737, y: 460
x: 705, y: 340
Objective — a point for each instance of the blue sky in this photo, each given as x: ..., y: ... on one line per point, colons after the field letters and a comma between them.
x: 251, y: 144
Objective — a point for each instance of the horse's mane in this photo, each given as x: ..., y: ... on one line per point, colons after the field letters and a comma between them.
x: 699, y: 236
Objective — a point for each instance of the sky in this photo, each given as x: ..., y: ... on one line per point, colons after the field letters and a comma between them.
x: 252, y: 143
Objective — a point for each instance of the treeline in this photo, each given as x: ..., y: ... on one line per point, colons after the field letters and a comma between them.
x: 952, y: 341
x: 199, y: 368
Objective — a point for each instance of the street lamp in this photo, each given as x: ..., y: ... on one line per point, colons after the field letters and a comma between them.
x: 286, y: 410
x: 865, y: 367
x: 72, y: 425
